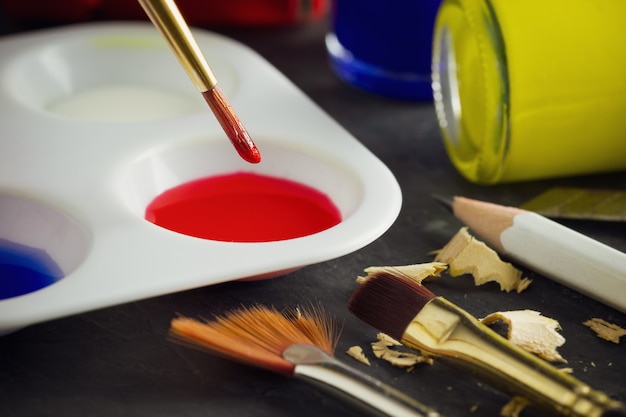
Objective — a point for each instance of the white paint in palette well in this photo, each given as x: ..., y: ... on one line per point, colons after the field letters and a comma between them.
x: 126, y: 103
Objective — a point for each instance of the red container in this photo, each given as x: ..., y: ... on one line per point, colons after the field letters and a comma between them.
x: 196, y: 12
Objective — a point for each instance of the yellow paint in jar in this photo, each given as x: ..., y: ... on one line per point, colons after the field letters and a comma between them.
x: 529, y: 89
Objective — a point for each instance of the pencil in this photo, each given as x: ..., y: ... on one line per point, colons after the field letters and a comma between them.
x: 549, y: 248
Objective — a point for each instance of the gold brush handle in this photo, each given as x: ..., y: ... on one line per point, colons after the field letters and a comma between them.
x: 444, y: 331
x: 166, y: 17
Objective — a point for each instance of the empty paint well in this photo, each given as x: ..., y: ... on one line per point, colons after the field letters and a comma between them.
x: 244, y: 207
x: 104, y: 78
x: 125, y: 102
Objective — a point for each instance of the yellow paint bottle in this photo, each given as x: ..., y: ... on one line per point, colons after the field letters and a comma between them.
x: 529, y: 89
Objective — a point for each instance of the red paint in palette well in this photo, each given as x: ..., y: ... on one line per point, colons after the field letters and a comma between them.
x: 243, y: 207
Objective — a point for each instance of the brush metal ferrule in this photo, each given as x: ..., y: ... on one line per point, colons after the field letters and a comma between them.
x: 444, y: 331
x: 168, y: 20
x: 324, y: 371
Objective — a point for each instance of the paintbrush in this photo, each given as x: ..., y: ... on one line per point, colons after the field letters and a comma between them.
x: 409, y: 312
x: 298, y: 344
x: 168, y: 20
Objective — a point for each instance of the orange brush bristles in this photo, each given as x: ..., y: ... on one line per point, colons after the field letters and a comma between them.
x: 258, y: 335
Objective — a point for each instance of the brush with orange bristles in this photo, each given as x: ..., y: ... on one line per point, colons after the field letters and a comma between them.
x: 299, y: 344
x: 409, y: 312
x: 168, y: 20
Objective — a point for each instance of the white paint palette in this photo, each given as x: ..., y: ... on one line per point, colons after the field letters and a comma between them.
x: 99, y: 119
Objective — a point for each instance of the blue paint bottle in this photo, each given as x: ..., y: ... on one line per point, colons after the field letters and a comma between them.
x: 384, y: 47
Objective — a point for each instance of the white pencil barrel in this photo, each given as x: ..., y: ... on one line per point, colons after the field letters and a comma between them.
x: 568, y: 257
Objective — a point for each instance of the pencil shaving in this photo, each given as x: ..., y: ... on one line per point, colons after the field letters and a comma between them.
x: 532, y: 332
x: 605, y: 330
x: 417, y: 272
x: 514, y: 407
x: 357, y: 353
x: 388, y: 340
x: 382, y: 349
x: 466, y: 255
x: 405, y: 360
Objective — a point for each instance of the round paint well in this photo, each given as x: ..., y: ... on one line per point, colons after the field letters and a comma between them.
x: 24, y: 269
x: 240, y: 192
x: 244, y: 207
x: 125, y: 102
x: 39, y: 245
x: 114, y: 77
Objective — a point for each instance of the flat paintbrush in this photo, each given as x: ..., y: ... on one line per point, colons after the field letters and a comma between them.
x: 168, y: 20
x: 299, y: 344
x: 407, y: 311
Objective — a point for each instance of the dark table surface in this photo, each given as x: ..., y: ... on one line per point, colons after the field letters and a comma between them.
x: 118, y: 361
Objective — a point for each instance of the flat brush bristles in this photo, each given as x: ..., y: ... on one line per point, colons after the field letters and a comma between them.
x: 389, y: 302
x: 258, y: 335
x: 231, y: 125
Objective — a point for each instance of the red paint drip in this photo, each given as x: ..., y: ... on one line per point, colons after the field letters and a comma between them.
x: 243, y: 207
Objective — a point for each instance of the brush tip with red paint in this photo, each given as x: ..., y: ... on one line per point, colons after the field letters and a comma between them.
x: 232, y: 126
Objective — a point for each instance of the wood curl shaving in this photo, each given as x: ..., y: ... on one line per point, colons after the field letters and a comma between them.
x: 605, y: 330
x: 532, y: 332
x: 466, y: 255
x: 356, y: 352
x: 417, y: 272
x: 514, y: 407
x: 383, y: 349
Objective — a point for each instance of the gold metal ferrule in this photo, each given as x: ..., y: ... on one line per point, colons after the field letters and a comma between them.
x: 444, y: 331
x: 168, y: 20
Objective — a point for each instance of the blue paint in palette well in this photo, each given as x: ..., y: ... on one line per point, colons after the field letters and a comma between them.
x: 24, y: 269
